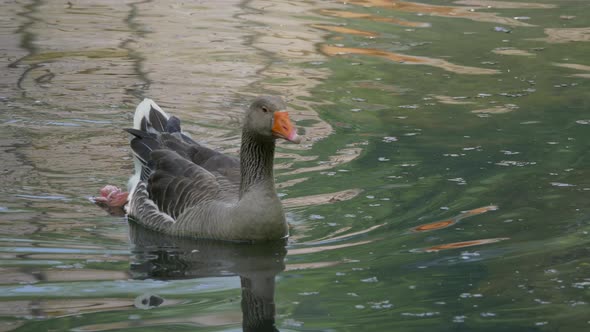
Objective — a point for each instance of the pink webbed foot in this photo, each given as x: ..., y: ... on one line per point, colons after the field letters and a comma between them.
x: 112, y: 199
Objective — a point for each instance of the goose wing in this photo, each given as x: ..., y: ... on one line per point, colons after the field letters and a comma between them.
x: 177, y: 183
x: 144, y: 143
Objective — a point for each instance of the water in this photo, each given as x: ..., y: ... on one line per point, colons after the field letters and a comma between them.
x: 443, y: 184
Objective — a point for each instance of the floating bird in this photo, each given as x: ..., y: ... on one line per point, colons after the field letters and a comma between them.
x: 183, y: 188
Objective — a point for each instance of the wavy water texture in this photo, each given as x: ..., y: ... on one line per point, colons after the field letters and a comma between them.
x: 454, y: 220
x: 462, y: 244
x: 566, y: 35
x: 585, y: 70
x: 375, y: 18
x: 443, y: 11
x: 345, y: 30
x: 408, y: 59
x: 505, y: 4
x: 414, y: 113
x: 512, y: 51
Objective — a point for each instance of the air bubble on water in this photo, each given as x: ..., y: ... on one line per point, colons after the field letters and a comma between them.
x: 291, y: 322
x: 381, y: 305
x: 308, y: 293
x: 559, y: 184
x: 420, y: 314
x: 509, y: 153
x: 414, y: 106
x: 470, y: 148
x: 389, y: 139
x: 459, y: 181
x: 582, y: 284
x: 515, y: 163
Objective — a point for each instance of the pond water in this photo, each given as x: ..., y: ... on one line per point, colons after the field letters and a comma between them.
x: 443, y: 183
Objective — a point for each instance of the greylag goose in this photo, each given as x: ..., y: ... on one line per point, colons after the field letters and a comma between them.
x: 185, y: 189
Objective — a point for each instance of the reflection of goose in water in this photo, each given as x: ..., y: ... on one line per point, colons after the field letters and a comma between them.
x: 161, y: 257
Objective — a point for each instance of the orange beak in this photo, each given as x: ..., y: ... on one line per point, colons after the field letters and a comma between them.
x: 283, y: 128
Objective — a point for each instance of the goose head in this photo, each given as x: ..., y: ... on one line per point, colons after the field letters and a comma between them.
x: 267, y: 119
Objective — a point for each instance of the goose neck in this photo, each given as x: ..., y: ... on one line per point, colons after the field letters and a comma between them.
x: 256, y: 162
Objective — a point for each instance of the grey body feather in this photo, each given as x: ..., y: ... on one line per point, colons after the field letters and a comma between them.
x: 183, y: 188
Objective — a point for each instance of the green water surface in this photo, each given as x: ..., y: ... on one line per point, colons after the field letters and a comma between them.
x: 432, y: 143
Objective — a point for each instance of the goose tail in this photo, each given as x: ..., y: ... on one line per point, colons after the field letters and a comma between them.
x: 148, y: 122
x: 150, y: 118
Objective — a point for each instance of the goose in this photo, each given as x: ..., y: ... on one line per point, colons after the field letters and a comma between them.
x: 183, y: 188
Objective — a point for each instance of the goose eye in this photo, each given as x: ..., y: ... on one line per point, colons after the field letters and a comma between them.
x: 264, y: 109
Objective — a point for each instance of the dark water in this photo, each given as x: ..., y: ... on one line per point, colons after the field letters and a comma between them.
x: 443, y: 185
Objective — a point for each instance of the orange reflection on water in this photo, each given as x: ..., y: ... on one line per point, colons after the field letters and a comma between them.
x: 407, y: 59
x: 505, y: 4
x: 463, y: 244
x: 448, y: 222
x: 341, y: 29
x: 444, y: 11
x: 434, y: 225
x: 480, y: 210
x: 375, y: 18
x: 411, y: 7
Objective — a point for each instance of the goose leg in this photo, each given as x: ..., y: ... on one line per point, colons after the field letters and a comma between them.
x: 112, y: 199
